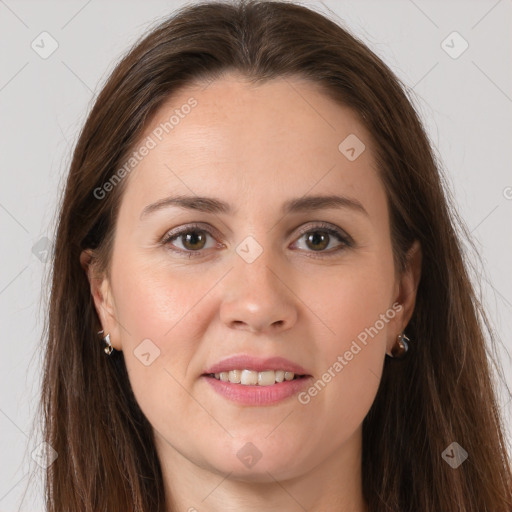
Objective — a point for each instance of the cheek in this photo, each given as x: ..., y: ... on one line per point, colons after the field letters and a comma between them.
x: 148, y: 307
x: 356, y: 308
x: 349, y: 299
x: 154, y: 300
x: 157, y: 317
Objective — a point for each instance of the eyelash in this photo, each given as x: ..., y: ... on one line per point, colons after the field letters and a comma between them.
x: 323, y: 227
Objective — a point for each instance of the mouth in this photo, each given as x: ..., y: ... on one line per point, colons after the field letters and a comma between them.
x: 253, y: 381
x: 257, y: 389
x: 246, y: 377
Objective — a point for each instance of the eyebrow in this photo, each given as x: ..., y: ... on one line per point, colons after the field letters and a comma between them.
x: 216, y: 206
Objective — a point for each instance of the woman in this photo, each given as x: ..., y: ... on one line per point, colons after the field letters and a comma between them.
x: 259, y: 299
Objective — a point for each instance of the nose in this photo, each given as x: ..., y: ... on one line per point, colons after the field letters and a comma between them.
x: 257, y: 298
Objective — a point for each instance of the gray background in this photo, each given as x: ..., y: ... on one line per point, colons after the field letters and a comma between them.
x: 465, y: 103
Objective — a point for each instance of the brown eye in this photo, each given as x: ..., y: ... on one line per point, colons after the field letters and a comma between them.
x: 318, y: 240
x: 188, y: 240
x: 193, y: 240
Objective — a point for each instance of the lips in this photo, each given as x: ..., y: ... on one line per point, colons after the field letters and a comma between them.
x: 246, y: 362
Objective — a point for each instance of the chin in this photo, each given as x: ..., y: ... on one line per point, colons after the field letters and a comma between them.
x: 250, y: 465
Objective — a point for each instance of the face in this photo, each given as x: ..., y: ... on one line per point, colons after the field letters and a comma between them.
x: 265, y: 274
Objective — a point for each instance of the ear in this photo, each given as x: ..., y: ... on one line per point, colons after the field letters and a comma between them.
x: 405, y: 292
x: 101, y: 292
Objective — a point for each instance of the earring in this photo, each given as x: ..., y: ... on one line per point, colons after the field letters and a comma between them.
x: 108, y: 346
x: 401, y: 347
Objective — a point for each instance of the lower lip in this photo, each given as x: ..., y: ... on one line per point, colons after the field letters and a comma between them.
x: 258, y: 395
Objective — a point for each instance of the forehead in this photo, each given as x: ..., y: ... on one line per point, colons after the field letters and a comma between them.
x: 264, y: 143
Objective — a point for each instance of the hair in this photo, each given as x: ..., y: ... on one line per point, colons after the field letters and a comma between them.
x: 441, y: 392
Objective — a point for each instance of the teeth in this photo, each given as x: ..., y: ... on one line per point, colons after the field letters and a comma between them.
x: 235, y: 376
x: 267, y: 378
x: 249, y: 378
x: 253, y: 378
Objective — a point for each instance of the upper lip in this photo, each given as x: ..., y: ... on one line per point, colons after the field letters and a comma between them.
x: 258, y: 364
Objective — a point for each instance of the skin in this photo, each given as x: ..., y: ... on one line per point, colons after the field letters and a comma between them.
x: 255, y: 147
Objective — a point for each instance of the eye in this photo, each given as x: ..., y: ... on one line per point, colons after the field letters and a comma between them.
x: 319, y: 238
x: 193, y: 239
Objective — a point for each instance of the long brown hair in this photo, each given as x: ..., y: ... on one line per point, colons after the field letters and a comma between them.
x: 443, y: 392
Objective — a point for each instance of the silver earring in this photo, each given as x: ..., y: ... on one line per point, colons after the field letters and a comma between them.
x: 401, y: 347
x: 108, y: 346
